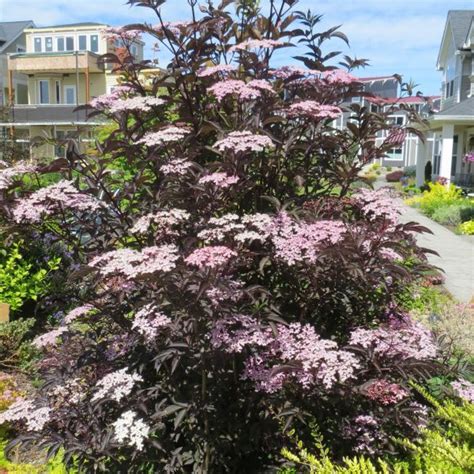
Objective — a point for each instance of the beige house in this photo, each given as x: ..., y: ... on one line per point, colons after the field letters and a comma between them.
x: 453, y: 125
x: 64, y: 70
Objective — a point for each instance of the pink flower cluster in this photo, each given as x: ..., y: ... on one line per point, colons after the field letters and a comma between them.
x: 77, y: 313
x: 133, y: 264
x: 176, y: 28
x: 116, y: 385
x: 51, y: 199
x: 166, y: 135
x: 339, y: 76
x: 469, y: 157
x: 220, y: 180
x: 464, y: 389
x: 314, y: 110
x: 256, y: 44
x: 210, y: 257
x: 211, y: 70
x: 139, y: 103
x: 122, y: 33
x: 240, y: 89
x: 386, y: 393
x: 289, y: 72
x: 164, y: 221
x: 301, y: 241
x: 149, y: 321
x: 132, y: 429
x: 249, y: 227
x: 307, y: 359
x: 178, y: 166
x: 8, y: 174
x: 50, y: 338
x: 405, y: 340
x: 244, y: 141
x: 35, y: 418
x: 105, y: 101
x: 377, y: 205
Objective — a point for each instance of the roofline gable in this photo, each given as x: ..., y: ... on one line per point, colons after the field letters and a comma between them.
x: 443, y: 44
x: 29, y: 23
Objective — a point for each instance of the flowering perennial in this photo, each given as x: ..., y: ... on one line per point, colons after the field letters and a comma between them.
x: 51, y: 199
x: 178, y: 166
x: 132, y: 263
x: 50, y: 338
x: 240, y: 89
x: 377, y: 205
x: 139, y: 103
x: 404, y: 340
x: 211, y: 70
x: 314, y: 110
x: 132, y: 429
x: 244, y: 141
x: 116, y: 385
x: 339, y: 76
x: 77, y: 313
x: 210, y: 257
x: 301, y: 241
x: 166, y: 135
x: 464, y: 389
x: 385, y: 392
x: 220, y: 180
x: 255, y: 44
x: 165, y: 221
x: 149, y: 320
x: 35, y: 418
x: 8, y: 174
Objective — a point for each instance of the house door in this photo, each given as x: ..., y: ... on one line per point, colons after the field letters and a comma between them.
x: 70, y: 95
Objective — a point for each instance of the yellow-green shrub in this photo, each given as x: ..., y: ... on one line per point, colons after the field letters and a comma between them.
x: 437, y: 196
x: 446, y: 447
x: 467, y: 228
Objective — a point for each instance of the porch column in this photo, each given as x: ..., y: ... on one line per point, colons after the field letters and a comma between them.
x: 446, y: 152
x: 421, y: 152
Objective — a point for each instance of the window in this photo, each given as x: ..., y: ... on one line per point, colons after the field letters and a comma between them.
x: 58, y: 92
x: 48, y: 44
x: 94, y: 43
x: 134, y: 50
x: 60, y: 43
x: 44, y: 92
x: 38, y: 44
x: 82, y: 42
x: 356, y: 99
x: 455, y: 155
x: 69, y: 43
x: 399, y: 121
x: 70, y: 95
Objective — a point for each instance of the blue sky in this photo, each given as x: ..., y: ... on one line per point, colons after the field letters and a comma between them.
x: 398, y: 36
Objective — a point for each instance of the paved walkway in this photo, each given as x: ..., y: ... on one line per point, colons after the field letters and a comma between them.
x: 456, y: 252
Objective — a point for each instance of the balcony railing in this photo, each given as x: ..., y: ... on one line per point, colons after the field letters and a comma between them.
x: 47, y: 115
x: 63, y: 62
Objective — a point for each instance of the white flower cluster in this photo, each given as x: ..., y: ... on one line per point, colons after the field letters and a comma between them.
x: 132, y: 429
x: 25, y: 410
x: 116, y: 385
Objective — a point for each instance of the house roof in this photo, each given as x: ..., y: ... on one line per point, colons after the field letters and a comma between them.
x: 71, y: 25
x: 414, y: 99
x: 376, y: 78
x: 11, y: 30
x: 463, y: 109
x: 458, y: 23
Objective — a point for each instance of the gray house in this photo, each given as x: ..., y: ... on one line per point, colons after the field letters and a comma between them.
x: 13, y: 40
x: 453, y: 125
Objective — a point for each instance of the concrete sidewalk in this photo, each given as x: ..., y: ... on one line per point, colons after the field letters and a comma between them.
x: 456, y: 254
